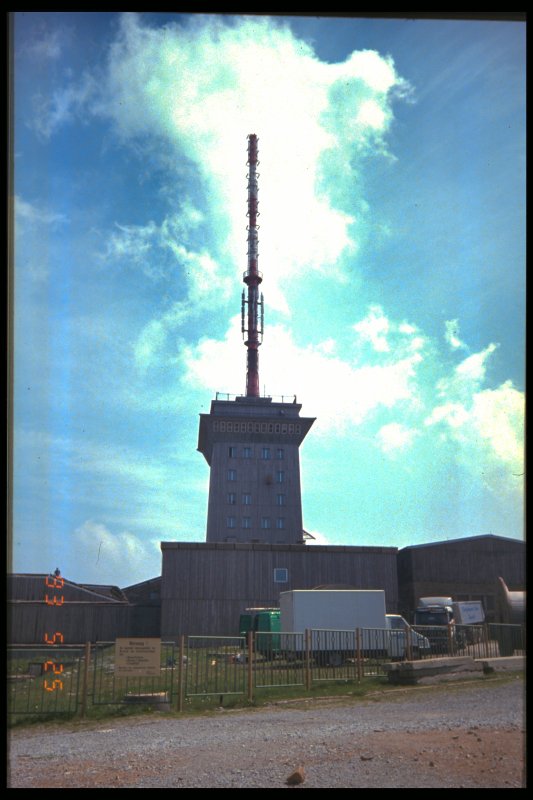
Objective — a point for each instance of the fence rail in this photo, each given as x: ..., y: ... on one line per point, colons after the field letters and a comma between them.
x: 65, y: 679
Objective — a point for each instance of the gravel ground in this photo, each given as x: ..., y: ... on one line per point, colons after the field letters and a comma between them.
x: 458, y: 736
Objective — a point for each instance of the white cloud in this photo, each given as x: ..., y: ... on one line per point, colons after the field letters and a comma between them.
x: 467, y: 376
x: 122, y: 558
x: 45, y: 44
x: 33, y: 226
x: 452, y: 334
x: 207, y: 84
x: 473, y: 368
x: 318, y: 538
x: 395, y: 437
x: 340, y: 393
x: 31, y: 213
x: 150, y: 347
x: 50, y: 112
x: 374, y: 328
x: 485, y: 425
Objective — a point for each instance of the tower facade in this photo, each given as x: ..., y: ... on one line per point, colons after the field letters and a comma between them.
x: 251, y: 443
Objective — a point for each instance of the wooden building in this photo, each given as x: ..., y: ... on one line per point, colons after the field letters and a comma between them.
x: 205, y: 586
x: 41, y: 606
x: 465, y: 569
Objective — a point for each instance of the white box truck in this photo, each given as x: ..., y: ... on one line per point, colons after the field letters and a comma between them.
x: 332, y: 616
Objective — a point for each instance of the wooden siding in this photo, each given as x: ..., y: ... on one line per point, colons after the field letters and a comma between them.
x: 34, y: 587
x: 79, y: 622
x: 460, y: 567
x: 205, y: 586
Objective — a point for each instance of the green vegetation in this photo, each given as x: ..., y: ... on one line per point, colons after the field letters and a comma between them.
x: 374, y: 689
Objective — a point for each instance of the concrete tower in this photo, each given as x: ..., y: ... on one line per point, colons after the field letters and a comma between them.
x: 251, y: 443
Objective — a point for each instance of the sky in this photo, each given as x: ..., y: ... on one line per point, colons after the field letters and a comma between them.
x: 392, y: 247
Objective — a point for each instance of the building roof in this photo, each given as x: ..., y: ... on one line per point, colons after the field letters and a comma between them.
x: 462, y: 539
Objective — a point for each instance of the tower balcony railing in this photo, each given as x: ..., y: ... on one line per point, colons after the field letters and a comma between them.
x: 247, y: 274
x: 280, y: 398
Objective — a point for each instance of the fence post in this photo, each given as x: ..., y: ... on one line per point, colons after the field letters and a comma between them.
x: 250, y: 637
x: 181, y: 664
x: 486, y: 640
x: 358, y: 655
x: 451, y: 649
x: 307, y: 659
x: 85, y: 681
x: 408, y: 643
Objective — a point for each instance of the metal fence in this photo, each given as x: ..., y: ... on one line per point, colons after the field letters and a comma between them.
x: 109, y: 689
x: 213, y: 665
x: 64, y: 679
x: 43, y: 680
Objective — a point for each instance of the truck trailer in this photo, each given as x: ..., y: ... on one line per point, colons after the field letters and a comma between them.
x: 333, y: 616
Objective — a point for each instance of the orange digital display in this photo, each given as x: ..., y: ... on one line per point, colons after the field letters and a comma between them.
x: 53, y: 582
x: 54, y: 601
x: 57, y: 638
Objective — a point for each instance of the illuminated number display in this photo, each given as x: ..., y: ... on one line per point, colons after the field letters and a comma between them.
x: 52, y: 682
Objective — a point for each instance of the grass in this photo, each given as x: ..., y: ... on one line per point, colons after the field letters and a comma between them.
x: 374, y: 689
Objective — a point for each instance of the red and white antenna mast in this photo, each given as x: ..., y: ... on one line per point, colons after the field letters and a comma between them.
x: 252, y: 318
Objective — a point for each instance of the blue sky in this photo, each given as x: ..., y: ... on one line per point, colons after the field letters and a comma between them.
x: 392, y: 244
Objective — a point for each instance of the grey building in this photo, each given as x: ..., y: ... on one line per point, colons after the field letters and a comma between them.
x: 252, y: 447
x: 465, y: 569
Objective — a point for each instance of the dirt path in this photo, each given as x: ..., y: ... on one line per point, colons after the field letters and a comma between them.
x: 471, y: 737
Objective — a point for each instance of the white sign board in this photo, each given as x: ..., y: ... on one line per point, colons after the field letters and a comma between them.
x: 137, y: 658
x: 468, y: 612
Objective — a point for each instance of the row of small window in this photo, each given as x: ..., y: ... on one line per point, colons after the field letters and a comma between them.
x: 246, y: 499
x: 224, y: 426
x: 247, y: 452
x: 280, y: 475
x: 246, y: 522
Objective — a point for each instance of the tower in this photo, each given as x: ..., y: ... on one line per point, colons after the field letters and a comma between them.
x: 251, y: 443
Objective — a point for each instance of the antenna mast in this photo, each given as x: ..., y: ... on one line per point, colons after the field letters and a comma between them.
x: 252, y: 318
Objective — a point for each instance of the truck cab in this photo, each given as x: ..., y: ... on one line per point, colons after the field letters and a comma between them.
x: 265, y: 624
x: 404, y: 642
x: 434, y: 615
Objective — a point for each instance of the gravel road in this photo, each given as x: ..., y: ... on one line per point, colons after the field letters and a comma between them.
x: 457, y: 735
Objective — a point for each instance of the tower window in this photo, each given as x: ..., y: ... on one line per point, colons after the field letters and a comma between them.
x: 280, y: 500
x: 246, y: 522
x: 265, y: 452
x: 247, y: 452
x: 265, y: 522
x: 247, y: 499
x: 232, y: 474
x: 280, y: 476
x: 280, y: 523
x: 232, y: 452
x: 281, y: 575
x: 232, y: 498
x: 230, y: 522
x: 280, y: 453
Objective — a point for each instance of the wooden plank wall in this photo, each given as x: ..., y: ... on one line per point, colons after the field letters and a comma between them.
x: 206, y: 586
x: 460, y: 567
x: 28, y: 621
